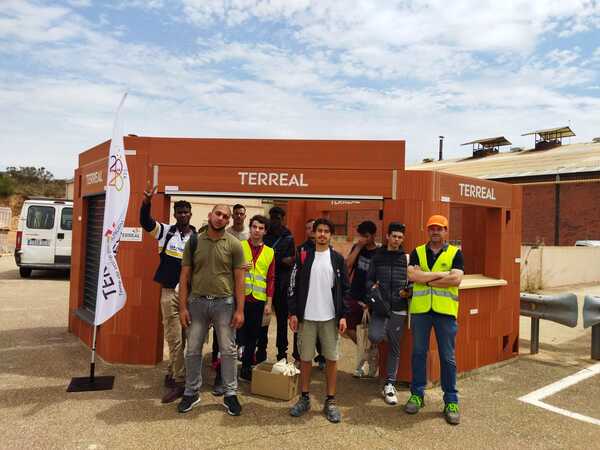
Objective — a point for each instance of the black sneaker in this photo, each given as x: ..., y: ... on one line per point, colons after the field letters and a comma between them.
x: 188, y: 402
x: 232, y: 405
x: 246, y: 374
x: 331, y: 411
x: 301, y: 406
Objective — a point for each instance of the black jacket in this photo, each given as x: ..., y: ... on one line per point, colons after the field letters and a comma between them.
x: 300, y: 278
x: 389, y: 269
x: 283, y: 245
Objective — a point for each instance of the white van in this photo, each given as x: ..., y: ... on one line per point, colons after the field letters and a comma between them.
x: 44, y: 235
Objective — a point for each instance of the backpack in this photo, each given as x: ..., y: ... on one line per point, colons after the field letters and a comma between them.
x: 170, y: 233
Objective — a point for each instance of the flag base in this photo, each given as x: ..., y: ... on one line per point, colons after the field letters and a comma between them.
x: 85, y: 384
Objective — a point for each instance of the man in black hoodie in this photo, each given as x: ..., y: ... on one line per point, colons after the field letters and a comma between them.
x: 280, y: 239
x: 171, y: 242
x: 388, y: 273
x: 302, y: 250
x: 318, y: 285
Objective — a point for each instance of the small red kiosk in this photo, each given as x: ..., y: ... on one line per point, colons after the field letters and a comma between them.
x: 306, y: 173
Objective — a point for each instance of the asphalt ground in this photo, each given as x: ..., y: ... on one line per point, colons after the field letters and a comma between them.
x: 38, y: 357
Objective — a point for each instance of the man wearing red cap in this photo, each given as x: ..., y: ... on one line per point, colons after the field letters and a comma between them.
x: 436, y: 269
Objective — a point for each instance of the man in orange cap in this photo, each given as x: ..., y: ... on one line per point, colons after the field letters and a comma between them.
x: 436, y: 269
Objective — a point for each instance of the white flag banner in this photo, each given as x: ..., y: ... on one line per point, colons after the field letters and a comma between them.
x: 111, y: 295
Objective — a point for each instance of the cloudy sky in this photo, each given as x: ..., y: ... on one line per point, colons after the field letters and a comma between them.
x: 345, y: 69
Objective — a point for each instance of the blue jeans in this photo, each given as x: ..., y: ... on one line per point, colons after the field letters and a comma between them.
x: 391, y: 328
x: 203, y: 312
x: 445, y: 331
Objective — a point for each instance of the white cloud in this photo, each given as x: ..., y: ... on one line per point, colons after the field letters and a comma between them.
x: 344, y: 70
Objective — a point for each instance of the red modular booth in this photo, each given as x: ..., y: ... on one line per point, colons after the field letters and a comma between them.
x: 485, y: 218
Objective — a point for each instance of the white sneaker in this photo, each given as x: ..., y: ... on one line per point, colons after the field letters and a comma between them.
x: 359, y: 373
x: 389, y: 394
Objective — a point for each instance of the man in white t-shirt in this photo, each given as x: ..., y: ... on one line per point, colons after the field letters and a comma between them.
x: 239, y: 228
x: 318, y: 285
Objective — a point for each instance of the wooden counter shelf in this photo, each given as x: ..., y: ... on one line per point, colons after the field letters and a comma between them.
x: 476, y: 281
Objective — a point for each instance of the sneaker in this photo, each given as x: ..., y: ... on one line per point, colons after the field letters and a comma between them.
x: 301, y: 406
x: 389, y: 394
x: 218, y: 387
x: 188, y: 402
x: 174, y: 393
x: 331, y: 411
x: 359, y: 373
x: 451, y: 413
x: 414, y: 404
x: 232, y: 405
x: 246, y: 374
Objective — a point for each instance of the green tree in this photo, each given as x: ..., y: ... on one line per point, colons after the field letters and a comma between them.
x: 6, y: 186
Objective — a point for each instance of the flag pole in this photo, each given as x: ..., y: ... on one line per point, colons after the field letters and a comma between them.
x: 93, y: 361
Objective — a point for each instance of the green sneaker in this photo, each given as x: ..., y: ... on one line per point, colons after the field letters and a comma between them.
x: 451, y: 413
x: 414, y: 404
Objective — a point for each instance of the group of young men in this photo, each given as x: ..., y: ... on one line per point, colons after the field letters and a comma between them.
x: 235, y: 278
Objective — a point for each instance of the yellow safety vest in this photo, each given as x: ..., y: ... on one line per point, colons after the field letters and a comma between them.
x: 255, y: 279
x: 426, y: 298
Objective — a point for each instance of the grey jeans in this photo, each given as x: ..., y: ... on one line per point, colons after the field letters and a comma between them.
x: 203, y: 312
x: 391, y: 328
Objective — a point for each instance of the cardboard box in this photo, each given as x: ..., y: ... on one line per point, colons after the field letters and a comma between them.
x: 274, y: 385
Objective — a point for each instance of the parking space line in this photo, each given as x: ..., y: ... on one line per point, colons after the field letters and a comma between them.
x: 535, y: 398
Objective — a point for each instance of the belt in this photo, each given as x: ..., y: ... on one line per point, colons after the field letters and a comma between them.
x: 215, y: 297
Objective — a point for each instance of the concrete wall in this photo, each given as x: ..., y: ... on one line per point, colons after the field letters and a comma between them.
x: 547, y: 267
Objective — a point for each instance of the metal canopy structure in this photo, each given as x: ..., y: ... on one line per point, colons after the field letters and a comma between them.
x: 482, y: 147
x: 550, y: 137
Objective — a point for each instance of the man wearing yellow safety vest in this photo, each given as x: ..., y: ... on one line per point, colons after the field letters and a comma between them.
x: 436, y: 269
x: 259, y: 287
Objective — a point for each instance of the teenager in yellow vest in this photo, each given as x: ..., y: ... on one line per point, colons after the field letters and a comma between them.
x: 436, y: 269
x: 259, y: 285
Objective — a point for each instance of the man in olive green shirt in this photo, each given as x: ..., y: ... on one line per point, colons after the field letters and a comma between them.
x: 215, y: 273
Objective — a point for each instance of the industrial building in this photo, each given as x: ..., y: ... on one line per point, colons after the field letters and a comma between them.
x: 561, y: 183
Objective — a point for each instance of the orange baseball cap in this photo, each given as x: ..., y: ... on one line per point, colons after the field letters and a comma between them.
x: 437, y: 220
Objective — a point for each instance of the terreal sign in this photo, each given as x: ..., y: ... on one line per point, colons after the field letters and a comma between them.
x: 456, y: 189
x: 294, y: 183
x: 476, y: 191
x: 272, y: 179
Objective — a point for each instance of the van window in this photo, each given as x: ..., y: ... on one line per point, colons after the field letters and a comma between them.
x: 40, y: 217
x: 66, y: 219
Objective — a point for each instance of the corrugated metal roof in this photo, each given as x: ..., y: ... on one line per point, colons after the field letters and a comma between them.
x: 495, y: 141
x: 554, y: 132
x: 573, y: 158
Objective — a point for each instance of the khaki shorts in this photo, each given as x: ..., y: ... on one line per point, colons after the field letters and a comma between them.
x: 327, y: 332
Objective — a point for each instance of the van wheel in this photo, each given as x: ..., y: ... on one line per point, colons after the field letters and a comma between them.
x: 25, y: 272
